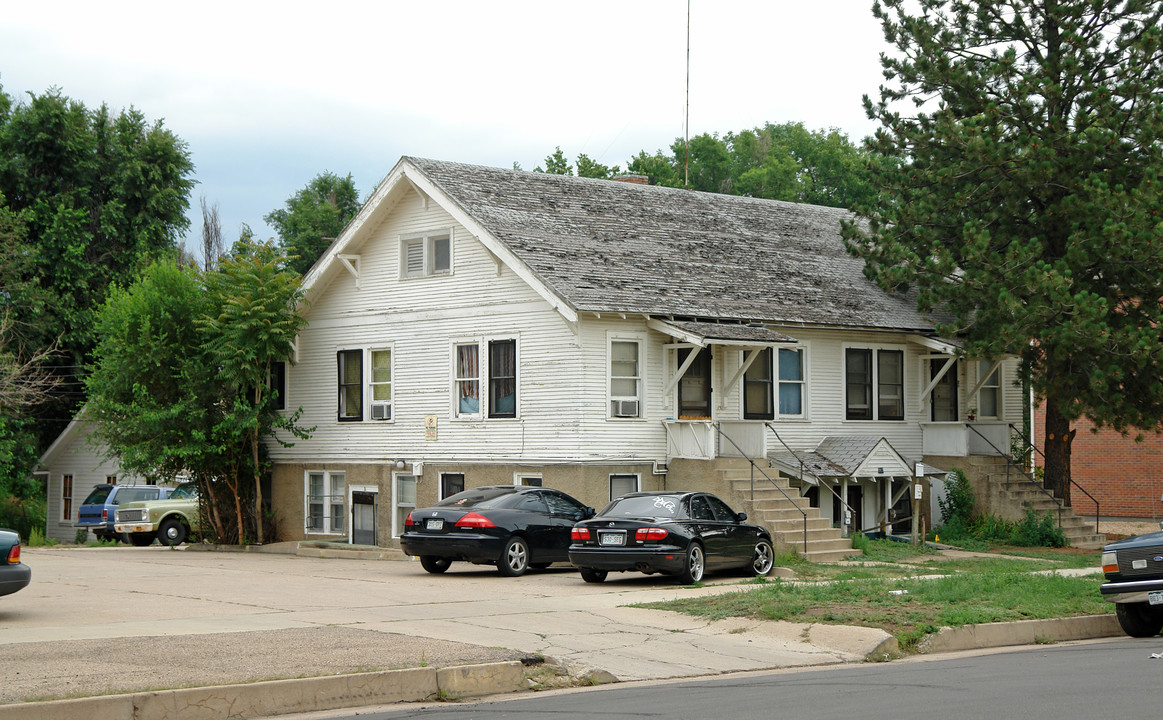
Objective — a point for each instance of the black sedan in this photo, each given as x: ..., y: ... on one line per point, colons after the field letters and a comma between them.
x: 14, y: 574
x: 511, y: 526
x: 676, y: 533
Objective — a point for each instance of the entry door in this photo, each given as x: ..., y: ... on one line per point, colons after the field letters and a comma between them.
x: 363, y: 518
x: 855, y: 501
x: 943, y: 399
x: 694, y: 389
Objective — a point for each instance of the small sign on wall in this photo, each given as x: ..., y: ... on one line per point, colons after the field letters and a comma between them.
x: 430, y: 427
x: 918, y: 491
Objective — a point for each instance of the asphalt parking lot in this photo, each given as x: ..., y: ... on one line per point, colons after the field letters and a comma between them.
x: 100, y: 620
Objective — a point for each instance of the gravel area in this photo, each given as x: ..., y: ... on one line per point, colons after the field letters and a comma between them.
x: 1128, y: 528
x: 53, y: 670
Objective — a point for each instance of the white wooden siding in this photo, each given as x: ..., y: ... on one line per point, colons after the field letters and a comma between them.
x: 562, y: 374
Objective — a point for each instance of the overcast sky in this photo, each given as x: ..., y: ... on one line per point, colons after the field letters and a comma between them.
x: 268, y: 95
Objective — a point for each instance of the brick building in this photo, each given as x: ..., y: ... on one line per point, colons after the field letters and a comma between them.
x: 1124, y: 476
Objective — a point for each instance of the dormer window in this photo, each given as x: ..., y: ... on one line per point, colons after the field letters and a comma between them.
x: 426, y: 255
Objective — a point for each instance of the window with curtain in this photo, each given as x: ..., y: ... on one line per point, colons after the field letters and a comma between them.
x: 503, y: 379
x: 350, y: 384
x: 791, y: 381
x: 468, y: 379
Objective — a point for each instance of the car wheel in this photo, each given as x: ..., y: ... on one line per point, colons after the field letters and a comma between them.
x: 514, y: 558
x: 692, y: 569
x: 763, y: 558
x: 591, y: 575
x: 433, y: 564
x: 171, y: 532
x: 141, y: 539
x: 1139, y: 619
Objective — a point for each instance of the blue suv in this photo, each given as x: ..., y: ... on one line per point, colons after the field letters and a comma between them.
x: 97, y: 512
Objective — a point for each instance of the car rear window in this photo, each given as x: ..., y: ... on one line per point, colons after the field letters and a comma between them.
x: 97, y: 497
x: 482, y: 496
x: 128, y: 495
x: 647, y: 506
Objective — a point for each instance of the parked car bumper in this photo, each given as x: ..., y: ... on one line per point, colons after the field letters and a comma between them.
x: 471, y: 547
x: 14, y: 577
x: 1132, y: 591
x: 665, y: 559
x: 134, y: 527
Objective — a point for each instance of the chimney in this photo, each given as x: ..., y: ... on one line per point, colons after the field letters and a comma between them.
x: 632, y: 178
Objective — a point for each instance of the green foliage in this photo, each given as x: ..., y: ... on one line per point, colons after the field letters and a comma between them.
x: 962, y: 526
x: 1019, y: 194
x: 313, y: 217
x: 36, y: 538
x: 557, y: 164
x: 97, y: 194
x: 776, y: 162
x: 156, y: 407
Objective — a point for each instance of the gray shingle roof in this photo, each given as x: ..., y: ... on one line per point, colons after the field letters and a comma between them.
x: 607, y: 246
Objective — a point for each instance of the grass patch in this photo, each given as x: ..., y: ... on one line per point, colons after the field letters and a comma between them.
x: 910, y: 608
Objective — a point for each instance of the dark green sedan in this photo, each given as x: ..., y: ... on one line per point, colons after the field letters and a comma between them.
x: 14, y: 574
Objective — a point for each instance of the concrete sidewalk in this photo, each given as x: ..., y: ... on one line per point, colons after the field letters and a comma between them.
x: 184, y: 618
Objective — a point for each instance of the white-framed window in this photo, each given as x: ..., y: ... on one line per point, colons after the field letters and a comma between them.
x: 350, y: 374
x: 426, y: 255
x: 67, y: 496
x: 325, y: 497
x: 623, y: 483
x: 403, y: 501
x: 380, y: 384
x: 485, y: 378
x: 626, y: 362
x: 989, y: 395
x: 792, y: 395
x: 874, y: 383
x: 528, y: 479
x: 774, y: 385
x: 467, y: 373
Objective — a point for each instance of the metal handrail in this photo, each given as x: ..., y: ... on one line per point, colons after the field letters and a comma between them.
x: 755, y: 467
x: 1028, y: 478
x: 1031, y: 446
x: 819, y: 480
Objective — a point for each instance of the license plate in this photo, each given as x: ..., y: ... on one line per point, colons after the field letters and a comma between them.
x: 431, y: 524
x: 611, y: 538
x: 1155, y: 597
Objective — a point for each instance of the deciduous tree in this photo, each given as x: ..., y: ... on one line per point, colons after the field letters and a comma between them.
x: 313, y: 217
x: 1025, y: 201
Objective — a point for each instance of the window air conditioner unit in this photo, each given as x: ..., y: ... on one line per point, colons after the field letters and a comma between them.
x: 625, y: 408
x: 381, y: 411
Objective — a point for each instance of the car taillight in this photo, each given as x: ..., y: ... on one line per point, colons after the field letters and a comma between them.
x: 649, y: 534
x: 409, y: 521
x: 579, y: 534
x: 1110, y: 562
x: 475, y: 520
x: 104, y: 514
x: 14, y: 554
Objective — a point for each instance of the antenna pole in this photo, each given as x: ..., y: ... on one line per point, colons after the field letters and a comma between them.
x: 686, y: 180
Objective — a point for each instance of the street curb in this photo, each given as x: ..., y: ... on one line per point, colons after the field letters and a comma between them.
x: 1022, y: 632
x: 280, y: 697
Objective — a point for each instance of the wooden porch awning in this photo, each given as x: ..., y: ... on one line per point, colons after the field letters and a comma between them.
x: 706, y: 333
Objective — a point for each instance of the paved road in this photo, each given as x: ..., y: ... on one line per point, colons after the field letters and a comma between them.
x: 1091, y: 679
x: 98, y: 620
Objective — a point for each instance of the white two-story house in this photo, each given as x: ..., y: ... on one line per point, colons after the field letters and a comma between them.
x: 479, y: 326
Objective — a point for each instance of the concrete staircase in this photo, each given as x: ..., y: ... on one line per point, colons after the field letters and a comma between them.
x: 1010, y: 495
x: 784, y: 515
